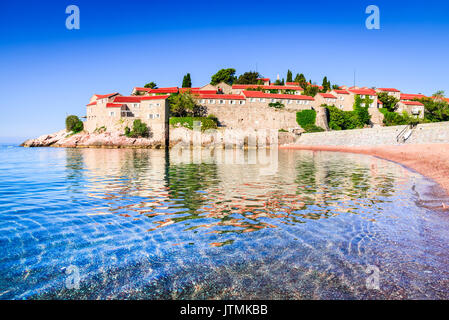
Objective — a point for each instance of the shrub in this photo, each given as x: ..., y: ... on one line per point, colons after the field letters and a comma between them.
x: 342, y: 120
x: 140, y: 129
x: 187, y: 122
x: 276, y: 105
x: 282, y: 130
x: 305, y: 117
x: 312, y: 128
x: 213, y: 118
x: 74, y: 124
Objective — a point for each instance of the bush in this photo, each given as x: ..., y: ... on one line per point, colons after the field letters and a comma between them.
x: 342, y: 120
x: 187, y: 122
x: 74, y: 124
x: 305, y: 117
x: 140, y: 129
x: 312, y: 128
x: 276, y: 105
x: 213, y: 118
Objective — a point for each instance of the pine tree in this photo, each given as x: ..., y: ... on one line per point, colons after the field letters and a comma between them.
x: 186, y: 81
x: 289, y: 76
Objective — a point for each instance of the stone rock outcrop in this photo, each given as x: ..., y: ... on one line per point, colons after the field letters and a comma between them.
x: 86, y: 140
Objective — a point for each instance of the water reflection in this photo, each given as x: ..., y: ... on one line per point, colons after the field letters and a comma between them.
x: 233, y: 198
x: 221, y: 224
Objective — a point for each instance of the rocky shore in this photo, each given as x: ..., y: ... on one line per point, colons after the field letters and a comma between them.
x: 83, y: 139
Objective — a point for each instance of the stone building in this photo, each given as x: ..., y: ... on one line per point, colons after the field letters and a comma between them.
x: 114, y: 112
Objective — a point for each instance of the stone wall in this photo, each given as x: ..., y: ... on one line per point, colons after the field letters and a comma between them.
x: 423, y: 133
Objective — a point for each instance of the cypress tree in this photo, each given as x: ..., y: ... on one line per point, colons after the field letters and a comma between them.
x: 186, y: 81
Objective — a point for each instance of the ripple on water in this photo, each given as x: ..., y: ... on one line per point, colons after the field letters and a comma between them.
x: 145, y: 224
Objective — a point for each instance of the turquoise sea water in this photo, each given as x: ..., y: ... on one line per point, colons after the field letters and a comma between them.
x: 148, y: 224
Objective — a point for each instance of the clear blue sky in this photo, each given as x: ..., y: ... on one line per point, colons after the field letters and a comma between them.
x: 48, y: 72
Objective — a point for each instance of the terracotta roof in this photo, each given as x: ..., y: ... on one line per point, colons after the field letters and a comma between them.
x: 341, y: 91
x: 197, y: 90
x: 267, y: 87
x: 158, y: 90
x: 407, y: 96
x: 379, y: 102
x: 135, y: 99
x: 389, y: 89
x: 92, y: 103
x: 102, y: 96
x: 369, y: 92
x: 264, y: 79
x: 113, y: 105
x: 327, y: 95
x: 259, y: 94
x: 222, y: 96
x: 412, y: 103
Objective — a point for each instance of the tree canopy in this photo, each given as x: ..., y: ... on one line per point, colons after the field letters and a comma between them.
x: 223, y: 75
x: 289, y: 76
x: 151, y: 85
x: 326, y: 85
x: 389, y: 102
x: 249, y: 77
x: 187, y: 81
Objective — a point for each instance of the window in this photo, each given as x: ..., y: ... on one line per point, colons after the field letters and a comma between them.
x: 242, y: 102
x: 290, y: 101
x: 203, y: 100
x: 341, y: 98
x: 112, y: 113
x: 252, y: 100
x: 221, y: 102
x: 262, y: 100
x: 212, y: 101
x: 231, y: 101
x: 150, y: 116
x: 136, y: 105
x: 298, y: 101
x: 362, y: 96
x: 272, y: 100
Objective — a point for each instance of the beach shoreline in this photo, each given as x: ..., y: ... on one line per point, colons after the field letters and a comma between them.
x: 430, y: 160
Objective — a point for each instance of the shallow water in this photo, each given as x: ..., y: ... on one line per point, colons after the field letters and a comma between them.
x: 149, y: 224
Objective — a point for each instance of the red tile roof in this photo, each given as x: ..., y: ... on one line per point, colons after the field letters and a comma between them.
x: 102, y: 96
x: 341, y: 91
x: 113, y: 105
x: 369, y: 92
x: 379, y: 102
x: 92, y: 103
x: 406, y: 96
x: 389, y: 89
x: 158, y: 90
x: 222, y: 96
x: 412, y: 103
x: 197, y: 90
x: 264, y: 79
x: 136, y: 99
x: 259, y: 94
x: 267, y: 87
x: 327, y: 95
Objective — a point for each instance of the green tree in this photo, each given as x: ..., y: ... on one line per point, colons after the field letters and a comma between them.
x: 310, y: 90
x: 249, y: 77
x: 326, y: 85
x: 223, y: 75
x: 182, y: 104
x: 439, y: 94
x: 289, y: 76
x: 389, y: 102
x: 186, y: 81
x: 361, y: 109
x: 301, y: 79
x: 74, y: 124
x: 151, y: 85
x: 140, y: 129
x: 435, y: 110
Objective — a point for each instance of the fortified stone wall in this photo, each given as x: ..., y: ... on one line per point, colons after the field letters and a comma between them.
x: 423, y: 133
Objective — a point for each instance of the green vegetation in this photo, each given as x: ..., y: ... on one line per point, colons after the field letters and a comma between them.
x: 289, y: 76
x: 435, y: 110
x: 305, y: 117
x: 326, y: 85
x: 223, y: 75
x: 312, y: 128
x: 187, y: 122
x: 279, y: 82
x: 151, y: 85
x: 187, y: 81
x: 140, y: 129
x: 310, y: 90
x: 342, y: 120
x: 248, y: 78
x: 74, y: 124
x: 276, y: 105
x: 282, y: 130
x: 301, y: 79
x: 362, y: 111
x: 184, y: 105
x: 389, y: 102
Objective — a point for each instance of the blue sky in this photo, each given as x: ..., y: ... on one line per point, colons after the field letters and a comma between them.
x: 48, y: 72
